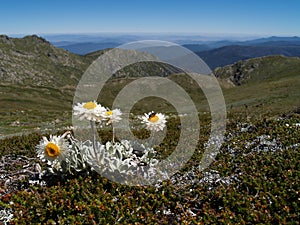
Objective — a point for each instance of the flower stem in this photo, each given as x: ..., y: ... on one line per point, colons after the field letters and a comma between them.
x: 151, y: 143
x: 93, y: 135
x: 113, y: 134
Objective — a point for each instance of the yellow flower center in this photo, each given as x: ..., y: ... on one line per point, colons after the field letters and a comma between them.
x: 52, y: 150
x: 109, y: 113
x: 90, y: 105
x: 153, y: 118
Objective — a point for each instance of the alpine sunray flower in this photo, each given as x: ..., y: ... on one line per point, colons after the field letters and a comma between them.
x: 112, y: 116
x: 54, y: 150
x: 154, y: 121
x: 89, y: 110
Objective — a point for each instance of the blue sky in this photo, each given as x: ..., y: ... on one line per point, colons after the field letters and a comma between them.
x: 253, y: 17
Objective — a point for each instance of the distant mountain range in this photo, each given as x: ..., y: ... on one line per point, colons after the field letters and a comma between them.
x: 87, y: 47
x: 214, y: 53
x: 233, y: 53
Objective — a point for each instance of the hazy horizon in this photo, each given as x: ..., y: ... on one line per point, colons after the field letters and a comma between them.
x: 113, y: 36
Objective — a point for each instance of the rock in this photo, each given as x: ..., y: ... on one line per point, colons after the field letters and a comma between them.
x: 36, y: 39
x: 5, y: 39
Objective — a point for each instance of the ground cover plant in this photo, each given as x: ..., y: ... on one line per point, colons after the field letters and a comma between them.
x: 254, y: 179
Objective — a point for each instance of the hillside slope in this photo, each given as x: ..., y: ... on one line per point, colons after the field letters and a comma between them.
x: 268, y: 85
x: 33, y: 60
x: 38, y: 80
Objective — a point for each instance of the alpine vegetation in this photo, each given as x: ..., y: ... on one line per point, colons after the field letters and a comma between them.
x: 114, y: 159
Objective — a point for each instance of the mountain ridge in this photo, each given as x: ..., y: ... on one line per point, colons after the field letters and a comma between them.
x: 230, y: 54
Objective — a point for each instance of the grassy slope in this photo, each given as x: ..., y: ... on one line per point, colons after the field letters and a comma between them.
x: 273, y: 97
x: 268, y: 85
x: 37, y: 83
x: 264, y: 93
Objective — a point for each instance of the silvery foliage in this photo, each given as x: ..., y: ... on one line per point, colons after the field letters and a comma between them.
x: 76, y: 160
x: 124, y: 157
x: 119, y: 157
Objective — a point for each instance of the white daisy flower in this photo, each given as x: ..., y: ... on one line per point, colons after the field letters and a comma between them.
x: 112, y: 116
x: 154, y: 121
x: 89, y: 110
x: 55, y: 150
